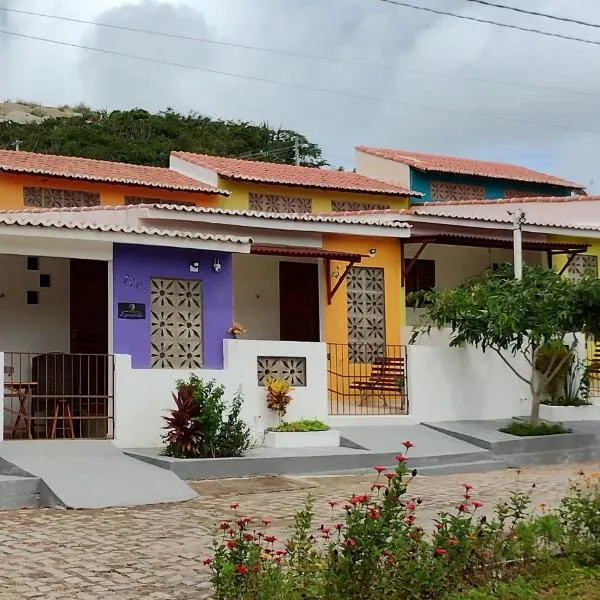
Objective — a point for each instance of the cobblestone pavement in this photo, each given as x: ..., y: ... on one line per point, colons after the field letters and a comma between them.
x: 155, y: 553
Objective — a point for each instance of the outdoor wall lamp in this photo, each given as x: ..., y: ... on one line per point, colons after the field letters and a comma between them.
x: 217, y: 265
x: 194, y: 267
x: 372, y: 251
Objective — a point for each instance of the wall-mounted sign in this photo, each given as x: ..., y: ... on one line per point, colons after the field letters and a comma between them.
x: 131, y: 310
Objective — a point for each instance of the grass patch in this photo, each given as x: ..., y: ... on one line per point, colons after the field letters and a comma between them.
x: 554, y: 580
x: 301, y: 426
x: 523, y: 429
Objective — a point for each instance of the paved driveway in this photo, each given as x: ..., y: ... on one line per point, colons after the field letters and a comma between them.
x: 153, y: 553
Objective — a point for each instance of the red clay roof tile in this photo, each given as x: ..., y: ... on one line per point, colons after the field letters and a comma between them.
x: 87, y: 169
x: 279, y: 174
x: 464, y: 166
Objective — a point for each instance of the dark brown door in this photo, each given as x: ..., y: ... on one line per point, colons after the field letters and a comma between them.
x: 299, y: 302
x: 89, y: 307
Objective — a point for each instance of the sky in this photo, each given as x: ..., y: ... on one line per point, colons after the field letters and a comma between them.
x: 434, y: 83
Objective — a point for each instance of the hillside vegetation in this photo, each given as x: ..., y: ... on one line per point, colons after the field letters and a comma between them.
x: 138, y: 136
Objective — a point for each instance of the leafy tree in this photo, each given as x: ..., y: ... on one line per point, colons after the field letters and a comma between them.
x: 139, y: 137
x: 523, y: 317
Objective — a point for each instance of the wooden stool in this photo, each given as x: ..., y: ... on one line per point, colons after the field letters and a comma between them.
x: 62, y: 411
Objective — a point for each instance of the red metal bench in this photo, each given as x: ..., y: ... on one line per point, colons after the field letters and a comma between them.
x: 386, y: 379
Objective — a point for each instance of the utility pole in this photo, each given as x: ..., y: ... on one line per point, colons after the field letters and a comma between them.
x: 518, y: 220
x: 297, y: 151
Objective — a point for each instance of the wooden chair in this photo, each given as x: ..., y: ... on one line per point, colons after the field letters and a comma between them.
x: 386, y: 378
x: 22, y: 391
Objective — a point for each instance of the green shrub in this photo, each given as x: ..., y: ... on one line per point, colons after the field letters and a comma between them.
x: 524, y: 429
x: 202, y: 425
x: 302, y: 426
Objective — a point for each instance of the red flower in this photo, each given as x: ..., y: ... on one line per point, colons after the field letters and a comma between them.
x: 281, y: 553
x: 231, y: 544
x: 350, y: 543
x: 347, y: 507
x: 325, y: 529
x: 224, y: 526
x: 400, y: 458
x: 249, y: 537
x: 477, y: 504
x: 377, y: 486
x: 413, y: 536
x: 234, y: 506
x: 463, y: 508
x: 409, y: 520
x: 241, y: 569
x: 390, y: 476
x: 379, y: 469
x: 408, y: 444
x: 254, y: 568
x: 339, y: 526
x: 270, y: 539
x: 441, y: 552
x: 451, y: 542
x: 467, y: 486
x: 360, y: 499
x: 411, y: 506
x: 438, y: 525
x: 207, y: 561
x: 326, y: 536
x: 374, y: 514
x: 332, y: 503
x: 266, y: 522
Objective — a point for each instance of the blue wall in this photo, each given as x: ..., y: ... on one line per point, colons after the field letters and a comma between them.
x: 493, y: 188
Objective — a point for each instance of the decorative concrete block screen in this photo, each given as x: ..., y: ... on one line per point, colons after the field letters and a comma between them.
x: 441, y: 190
x: 130, y: 200
x: 344, y: 205
x: 56, y: 198
x: 279, y: 204
x: 366, y: 314
x: 292, y: 370
x: 176, y: 322
x: 582, y: 264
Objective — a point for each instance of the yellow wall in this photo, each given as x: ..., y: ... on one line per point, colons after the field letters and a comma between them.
x: 11, y: 191
x: 559, y: 261
x: 388, y: 257
x: 321, y: 199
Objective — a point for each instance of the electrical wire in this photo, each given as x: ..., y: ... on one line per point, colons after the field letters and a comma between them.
x: 535, y: 13
x: 302, y: 55
x: 436, y: 11
x: 300, y: 86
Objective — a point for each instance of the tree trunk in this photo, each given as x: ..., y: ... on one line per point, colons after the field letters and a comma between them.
x: 536, y: 398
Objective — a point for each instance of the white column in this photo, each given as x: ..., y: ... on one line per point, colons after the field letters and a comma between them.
x: 518, y: 220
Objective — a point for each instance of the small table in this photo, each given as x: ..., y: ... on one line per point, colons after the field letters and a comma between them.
x: 21, y: 390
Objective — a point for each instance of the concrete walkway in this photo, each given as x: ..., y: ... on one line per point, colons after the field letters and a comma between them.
x: 90, y: 474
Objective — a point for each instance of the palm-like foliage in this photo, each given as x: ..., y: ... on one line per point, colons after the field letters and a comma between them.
x: 183, y: 429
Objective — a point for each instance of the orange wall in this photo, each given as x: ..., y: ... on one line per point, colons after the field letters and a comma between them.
x: 388, y: 257
x: 11, y: 191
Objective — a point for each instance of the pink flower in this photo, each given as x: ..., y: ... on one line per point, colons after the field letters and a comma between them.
x: 332, y: 503
x: 339, y: 526
x: 441, y: 552
x: 379, y: 469
x: 389, y: 476
x: 467, y: 486
x: 463, y: 508
x: 266, y: 522
x: 451, y: 542
x: 224, y: 526
x: 377, y: 486
x: 234, y: 506
x: 477, y: 504
x: 350, y: 543
x: 411, y: 506
x: 408, y: 520
x: 270, y: 539
x: 359, y: 499
x: 408, y: 444
x: 207, y: 561
x: 400, y: 458
x: 374, y: 514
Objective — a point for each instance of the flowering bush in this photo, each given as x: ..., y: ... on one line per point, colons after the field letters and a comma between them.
x: 278, y: 396
x: 378, y: 549
x: 236, y: 330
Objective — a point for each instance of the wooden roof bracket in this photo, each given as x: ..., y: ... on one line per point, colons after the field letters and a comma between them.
x: 332, y: 291
x: 571, y: 258
x: 406, y: 270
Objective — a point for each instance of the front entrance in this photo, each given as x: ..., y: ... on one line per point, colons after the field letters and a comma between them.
x: 299, y: 302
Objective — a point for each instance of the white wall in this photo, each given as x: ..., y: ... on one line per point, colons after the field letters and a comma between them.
x: 382, y: 169
x: 42, y: 327
x: 454, y: 264
x: 458, y: 384
x: 143, y: 396
x: 2, y: 396
x: 256, y: 294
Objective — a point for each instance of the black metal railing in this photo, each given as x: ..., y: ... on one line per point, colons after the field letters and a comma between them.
x: 56, y: 395
x: 367, y: 379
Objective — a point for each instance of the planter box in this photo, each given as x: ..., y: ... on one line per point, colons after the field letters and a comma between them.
x: 570, y: 413
x: 302, y: 439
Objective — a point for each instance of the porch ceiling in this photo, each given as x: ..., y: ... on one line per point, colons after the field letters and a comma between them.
x: 305, y: 252
x: 450, y: 239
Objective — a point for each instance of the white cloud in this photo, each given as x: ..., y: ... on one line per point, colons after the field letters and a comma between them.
x: 440, y: 112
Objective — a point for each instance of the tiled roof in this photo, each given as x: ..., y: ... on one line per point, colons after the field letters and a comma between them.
x: 348, y: 218
x: 278, y: 174
x: 67, y: 219
x: 450, y: 164
x: 104, y: 171
x: 526, y: 200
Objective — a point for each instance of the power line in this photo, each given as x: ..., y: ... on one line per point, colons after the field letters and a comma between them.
x: 535, y: 13
x: 249, y: 155
x: 436, y: 11
x: 296, y: 85
x: 302, y: 55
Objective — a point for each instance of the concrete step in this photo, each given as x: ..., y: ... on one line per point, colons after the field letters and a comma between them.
x: 19, y: 492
